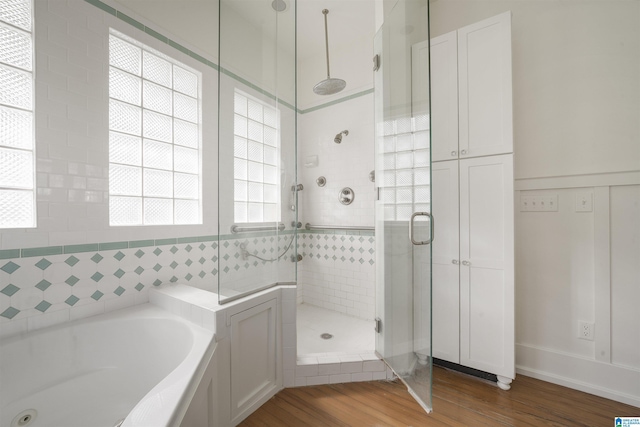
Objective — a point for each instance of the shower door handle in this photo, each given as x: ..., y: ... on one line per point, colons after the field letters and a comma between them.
x: 411, y: 237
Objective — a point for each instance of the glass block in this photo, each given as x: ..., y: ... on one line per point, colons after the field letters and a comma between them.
x: 156, y: 69
x: 158, y: 211
x: 404, y: 178
x: 421, y: 140
x: 240, y: 212
x: 240, y: 193
x: 186, y: 186
x: 270, y: 155
x: 422, y: 195
x: 240, y: 169
x: 388, y: 195
x: 158, y: 183
x: 125, y: 149
x: 187, y: 212
x: 404, y: 195
x: 255, y: 131
x: 16, y: 169
x: 404, y: 212
x: 270, y: 174
x: 255, y: 172
x: 240, y: 126
x: 270, y: 136
x: 270, y: 212
x: 185, y: 133
x: 16, y: 209
x: 240, y: 147
x: 125, y: 56
x: 16, y: 128
x: 389, y: 162
x: 270, y: 116
x: 421, y: 122
x: 390, y: 212
x: 421, y: 158
x: 388, y: 127
x: 185, y: 108
x: 255, y: 151
x: 270, y: 193
x: 185, y: 81
x: 389, y: 144
x: 16, y: 12
x: 404, y: 142
x: 125, y: 180
x: 422, y: 176
x: 388, y: 178
x: 404, y: 160
x: 255, y: 212
x: 240, y: 104
x: 254, y: 111
x: 124, y: 87
x: 15, y: 48
x: 157, y: 98
x: 157, y: 155
x: 157, y: 126
x: 423, y: 207
x: 403, y: 125
x: 125, y: 118
x: 255, y: 192
x: 16, y: 88
x: 125, y: 210
x: 185, y: 160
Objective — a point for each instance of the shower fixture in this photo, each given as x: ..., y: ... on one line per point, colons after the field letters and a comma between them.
x: 278, y: 5
x: 338, y: 138
x: 328, y: 86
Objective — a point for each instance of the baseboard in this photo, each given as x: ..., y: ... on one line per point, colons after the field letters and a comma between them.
x: 590, y: 376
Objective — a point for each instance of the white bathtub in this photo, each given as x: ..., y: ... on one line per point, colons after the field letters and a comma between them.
x: 142, y: 363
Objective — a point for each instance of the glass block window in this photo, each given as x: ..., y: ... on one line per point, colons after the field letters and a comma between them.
x: 405, y: 182
x: 17, y: 157
x: 255, y: 160
x: 154, y: 137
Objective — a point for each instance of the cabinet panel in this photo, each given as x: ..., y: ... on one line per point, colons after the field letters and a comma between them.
x: 484, y: 84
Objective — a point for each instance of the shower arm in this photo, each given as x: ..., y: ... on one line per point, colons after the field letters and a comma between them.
x: 326, y: 39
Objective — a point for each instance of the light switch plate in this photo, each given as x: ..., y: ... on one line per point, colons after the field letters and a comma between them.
x: 584, y: 202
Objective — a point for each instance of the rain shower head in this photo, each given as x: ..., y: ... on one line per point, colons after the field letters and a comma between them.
x: 328, y: 86
x: 338, y: 138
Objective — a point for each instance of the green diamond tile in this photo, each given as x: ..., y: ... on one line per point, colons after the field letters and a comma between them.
x: 236, y: 267
x: 201, y: 260
x: 352, y: 259
x: 371, y: 262
x: 43, y: 306
x: 342, y: 258
x: 157, y: 267
x: 173, y: 279
x: 173, y: 265
x: 188, y: 248
x: 71, y: 280
x: 97, y: 295
x: 10, y: 267
x: 157, y: 251
x: 202, y: 246
x: 173, y: 250
x: 202, y: 274
x: 361, y: 261
x: 139, y: 270
x: 370, y: 239
x: 119, y: 273
x: 97, y: 258
x: 360, y: 250
x: 334, y: 257
x: 139, y: 287
x: 97, y: 276
x: 72, y: 300
x: 189, y: 276
x: 225, y: 244
x: 139, y: 253
x: 214, y: 271
x: 214, y: 259
x: 43, y: 264
x: 10, y: 313
x: 226, y: 257
x: 43, y: 285
x: 71, y: 261
x: 119, y: 290
x: 189, y: 262
x: 236, y: 255
x: 157, y: 282
x: 371, y: 251
x: 119, y: 255
x: 9, y: 290
x: 214, y: 245
x: 226, y: 269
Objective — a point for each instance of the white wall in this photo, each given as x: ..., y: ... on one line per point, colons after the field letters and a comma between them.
x: 576, y: 131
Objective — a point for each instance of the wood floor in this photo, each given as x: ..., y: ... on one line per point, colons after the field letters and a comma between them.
x: 459, y: 400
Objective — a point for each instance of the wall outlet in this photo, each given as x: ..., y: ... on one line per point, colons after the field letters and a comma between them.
x: 585, y: 330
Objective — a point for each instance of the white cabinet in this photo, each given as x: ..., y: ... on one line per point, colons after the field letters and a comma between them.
x: 471, y: 95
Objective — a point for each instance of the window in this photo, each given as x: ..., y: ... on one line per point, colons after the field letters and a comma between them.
x: 405, y: 169
x: 255, y: 160
x: 154, y: 137
x: 17, y: 157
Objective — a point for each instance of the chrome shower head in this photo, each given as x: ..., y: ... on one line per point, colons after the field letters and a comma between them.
x: 338, y: 138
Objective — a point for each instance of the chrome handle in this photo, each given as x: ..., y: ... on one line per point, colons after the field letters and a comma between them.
x: 422, y: 242
x: 455, y: 261
x: 467, y: 263
x: 463, y: 152
x: 453, y: 153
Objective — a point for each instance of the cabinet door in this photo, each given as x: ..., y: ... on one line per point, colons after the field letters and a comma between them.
x: 486, y: 270
x: 484, y: 74
x: 444, y: 97
x: 445, y: 262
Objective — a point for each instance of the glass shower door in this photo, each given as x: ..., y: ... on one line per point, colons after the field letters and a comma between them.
x: 404, y: 225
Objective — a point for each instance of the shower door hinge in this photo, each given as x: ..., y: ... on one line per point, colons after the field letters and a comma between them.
x: 376, y: 62
x: 378, y: 327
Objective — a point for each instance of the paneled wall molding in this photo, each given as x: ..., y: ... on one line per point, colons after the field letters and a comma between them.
x: 602, y: 273
x: 578, y: 181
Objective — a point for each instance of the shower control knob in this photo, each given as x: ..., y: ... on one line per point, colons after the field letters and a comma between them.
x: 453, y: 153
x: 463, y: 152
x: 466, y: 263
x: 455, y: 261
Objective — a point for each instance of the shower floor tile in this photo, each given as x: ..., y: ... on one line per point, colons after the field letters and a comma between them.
x: 350, y: 334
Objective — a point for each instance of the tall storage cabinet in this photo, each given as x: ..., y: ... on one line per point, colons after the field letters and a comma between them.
x: 472, y: 198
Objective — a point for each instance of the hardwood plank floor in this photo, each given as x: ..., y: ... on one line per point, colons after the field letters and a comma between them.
x: 458, y: 400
